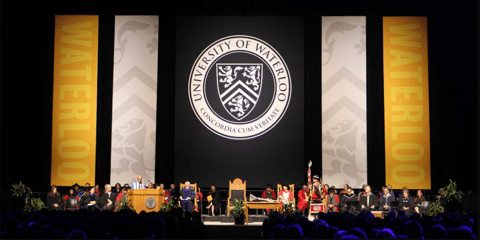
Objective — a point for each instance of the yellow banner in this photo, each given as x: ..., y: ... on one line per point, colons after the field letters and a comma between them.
x: 407, y: 122
x: 74, y: 100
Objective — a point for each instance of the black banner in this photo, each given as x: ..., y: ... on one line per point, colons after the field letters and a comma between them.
x: 239, y: 100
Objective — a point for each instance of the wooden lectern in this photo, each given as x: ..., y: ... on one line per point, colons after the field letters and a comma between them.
x: 147, y: 200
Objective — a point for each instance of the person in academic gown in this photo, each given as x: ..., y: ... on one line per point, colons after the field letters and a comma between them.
x: 303, y: 198
x: 108, y: 199
x: 406, y: 203
x: 369, y: 200
x: 386, y: 200
x: 215, y: 199
x: 347, y: 197
x: 187, y: 197
x: 90, y: 198
x: 285, y: 195
x: 54, y: 199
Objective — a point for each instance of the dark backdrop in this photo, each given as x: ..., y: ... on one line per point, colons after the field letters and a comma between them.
x: 277, y: 156
x: 27, y: 31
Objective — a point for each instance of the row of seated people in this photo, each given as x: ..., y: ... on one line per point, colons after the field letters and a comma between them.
x: 369, y: 201
x: 55, y: 200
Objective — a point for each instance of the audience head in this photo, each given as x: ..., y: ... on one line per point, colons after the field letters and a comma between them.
x: 385, y: 233
x: 87, y: 184
x: 161, y: 185
x: 405, y: 194
x: 345, y: 187
x: 76, y: 187
x: 413, y: 229
x: 118, y: 186
x: 126, y: 185
x: 187, y: 184
x: 97, y: 187
x: 71, y: 191
x: 437, y: 232
x: 278, y: 232
x: 150, y: 185
x: 386, y: 191
x: 462, y: 232
x: 304, y: 186
x: 77, y: 234
x: 108, y: 188
x: 349, y: 190
x: 91, y: 190
x: 294, y: 231
x: 172, y: 185
x: 139, y: 178
x: 285, y: 187
x: 213, y: 187
x: 356, y: 232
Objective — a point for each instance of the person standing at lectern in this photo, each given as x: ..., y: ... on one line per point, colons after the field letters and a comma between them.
x: 138, y: 184
x: 108, y: 198
x: 368, y: 201
x: 187, y: 196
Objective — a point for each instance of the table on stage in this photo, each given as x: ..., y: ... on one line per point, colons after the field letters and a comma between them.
x: 261, y: 205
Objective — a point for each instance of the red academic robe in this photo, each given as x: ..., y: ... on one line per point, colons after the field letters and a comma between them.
x: 200, y: 197
x: 167, y: 196
x: 264, y: 194
x: 316, y: 197
x: 119, y: 197
x: 290, y: 194
x: 302, y: 203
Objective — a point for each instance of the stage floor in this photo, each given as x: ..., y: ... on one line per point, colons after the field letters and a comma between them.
x: 256, y: 220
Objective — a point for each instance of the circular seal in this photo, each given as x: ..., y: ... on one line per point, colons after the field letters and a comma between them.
x: 150, y: 202
x: 239, y: 87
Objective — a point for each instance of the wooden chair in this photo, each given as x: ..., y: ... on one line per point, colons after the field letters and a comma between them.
x: 292, y: 189
x: 237, y: 189
x: 194, y: 186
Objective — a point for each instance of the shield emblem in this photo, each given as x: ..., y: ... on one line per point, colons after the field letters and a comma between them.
x: 239, y: 86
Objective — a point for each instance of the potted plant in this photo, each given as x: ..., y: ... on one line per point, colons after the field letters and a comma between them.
x: 25, y: 193
x: 123, y: 203
x: 452, y: 196
x: 167, y: 206
x: 238, y: 212
x: 435, y: 209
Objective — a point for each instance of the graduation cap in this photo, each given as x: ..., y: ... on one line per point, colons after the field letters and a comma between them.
x: 316, y: 177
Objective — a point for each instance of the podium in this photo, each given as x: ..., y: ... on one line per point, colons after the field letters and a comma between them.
x: 147, y: 200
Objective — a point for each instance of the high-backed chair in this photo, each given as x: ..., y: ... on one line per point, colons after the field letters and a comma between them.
x: 424, y: 208
x: 194, y: 186
x: 292, y: 189
x: 71, y: 204
x: 237, y: 189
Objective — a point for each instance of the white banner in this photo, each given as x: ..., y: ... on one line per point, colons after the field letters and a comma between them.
x: 134, y: 99
x: 344, y: 102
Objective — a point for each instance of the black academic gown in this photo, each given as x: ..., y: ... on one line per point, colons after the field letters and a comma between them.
x: 104, y: 201
x: 52, y: 199
x: 372, y: 200
x: 347, y: 198
x: 406, y: 202
x: 85, y: 200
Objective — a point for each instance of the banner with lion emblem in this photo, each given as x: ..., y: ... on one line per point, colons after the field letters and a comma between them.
x: 344, y: 104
